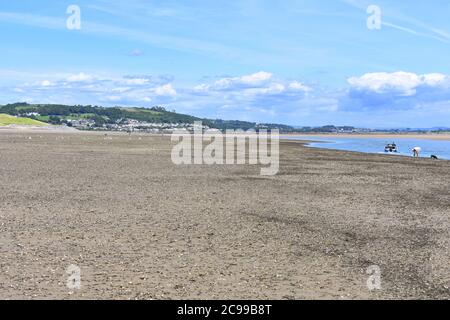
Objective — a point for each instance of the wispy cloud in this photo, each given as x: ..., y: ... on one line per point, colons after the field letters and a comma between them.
x: 416, y: 28
x: 414, y: 32
x: 155, y: 39
x: 33, y: 20
x: 141, y: 10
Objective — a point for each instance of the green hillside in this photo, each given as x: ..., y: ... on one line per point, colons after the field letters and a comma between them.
x: 58, y: 114
x: 6, y: 119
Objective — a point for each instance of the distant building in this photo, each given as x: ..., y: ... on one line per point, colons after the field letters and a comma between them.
x: 32, y: 114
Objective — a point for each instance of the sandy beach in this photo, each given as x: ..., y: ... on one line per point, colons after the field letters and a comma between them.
x: 140, y: 227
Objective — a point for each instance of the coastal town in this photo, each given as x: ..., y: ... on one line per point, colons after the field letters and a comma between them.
x: 131, y: 125
x: 94, y: 122
x: 146, y: 120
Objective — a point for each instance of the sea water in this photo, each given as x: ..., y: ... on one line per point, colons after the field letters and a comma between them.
x: 439, y: 148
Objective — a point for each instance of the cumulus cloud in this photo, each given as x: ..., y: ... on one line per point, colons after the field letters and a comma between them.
x: 260, y: 96
x: 148, y: 79
x: 402, y: 83
x: 297, y: 86
x: 46, y: 83
x: 83, y: 88
x: 137, y: 81
x: 397, y: 91
x: 257, y: 83
x: 230, y: 83
x: 165, y: 90
x: 80, y: 77
x: 256, y: 77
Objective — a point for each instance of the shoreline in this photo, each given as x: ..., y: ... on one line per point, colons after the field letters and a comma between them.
x: 425, y: 136
x: 62, y: 129
x: 322, y: 145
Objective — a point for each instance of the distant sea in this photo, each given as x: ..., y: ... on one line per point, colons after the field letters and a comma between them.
x: 439, y: 148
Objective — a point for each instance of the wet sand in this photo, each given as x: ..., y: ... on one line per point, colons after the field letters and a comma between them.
x: 140, y: 227
x: 427, y: 136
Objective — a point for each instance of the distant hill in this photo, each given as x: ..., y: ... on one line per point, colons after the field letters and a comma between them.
x: 58, y: 114
x: 6, y: 119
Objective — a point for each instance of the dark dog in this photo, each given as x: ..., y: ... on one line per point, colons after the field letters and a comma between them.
x: 434, y: 157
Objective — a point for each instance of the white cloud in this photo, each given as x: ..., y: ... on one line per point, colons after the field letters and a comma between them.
x: 121, y: 89
x: 256, y: 84
x: 46, y: 83
x: 137, y: 81
x: 397, y: 92
x: 80, y: 77
x: 84, y: 88
x: 435, y: 79
x: 273, y: 88
x: 259, y: 96
x: 298, y: 86
x: 255, y: 79
x: 402, y: 83
x: 166, y: 90
x: 202, y: 88
x: 255, y: 97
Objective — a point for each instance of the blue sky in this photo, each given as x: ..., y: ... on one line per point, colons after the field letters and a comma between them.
x: 303, y: 62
